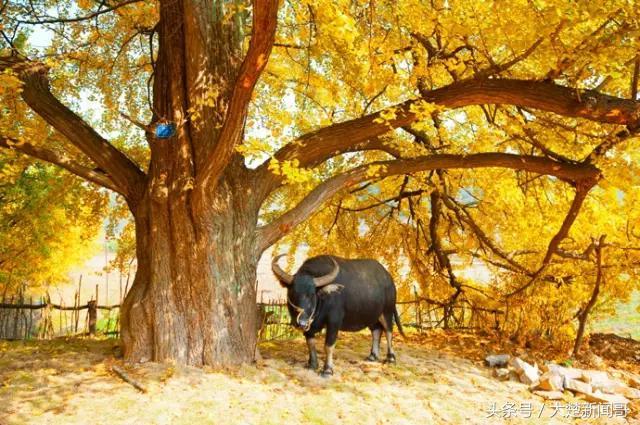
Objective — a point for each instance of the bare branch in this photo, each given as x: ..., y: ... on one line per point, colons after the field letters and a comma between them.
x: 373, y: 99
x: 265, y: 18
x: 52, y: 157
x: 273, y: 231
x: 135, y: 122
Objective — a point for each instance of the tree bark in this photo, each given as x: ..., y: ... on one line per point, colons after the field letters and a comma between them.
x: 193, y: 297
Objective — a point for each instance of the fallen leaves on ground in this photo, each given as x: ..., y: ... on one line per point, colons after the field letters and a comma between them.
x: 439, y: 379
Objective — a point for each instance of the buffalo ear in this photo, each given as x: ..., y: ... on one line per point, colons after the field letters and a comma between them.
x: 330, y: 289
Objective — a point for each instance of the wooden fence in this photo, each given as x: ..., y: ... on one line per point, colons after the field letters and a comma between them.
x: 22, y: 318
x: 420, y: 314
x: 42, y: 319
x: 423, y: 313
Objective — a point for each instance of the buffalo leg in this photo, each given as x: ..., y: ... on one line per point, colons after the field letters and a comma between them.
x: 391, y: 357
x: 376, y: 333
x: 313, y: 354
x: 329, y: 345
x: 388, y: 330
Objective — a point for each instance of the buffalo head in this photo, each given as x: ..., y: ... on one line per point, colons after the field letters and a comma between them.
x: 302, y: 291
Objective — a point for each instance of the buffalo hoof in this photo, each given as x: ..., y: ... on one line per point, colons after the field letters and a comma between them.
x: 391, y: 358
x: 372, y: 358
x: 327, y: 372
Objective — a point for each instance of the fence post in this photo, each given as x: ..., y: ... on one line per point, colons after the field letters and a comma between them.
x: 77, y: 318
x: 93, y: 315
x: 17, y: 317
x: 28, y: 333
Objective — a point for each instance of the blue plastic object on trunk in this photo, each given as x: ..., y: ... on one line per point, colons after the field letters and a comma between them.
x: 165, y: 130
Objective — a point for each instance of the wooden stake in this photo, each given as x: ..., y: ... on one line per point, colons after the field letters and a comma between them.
x: 93, y: 316
x: 123, y: 375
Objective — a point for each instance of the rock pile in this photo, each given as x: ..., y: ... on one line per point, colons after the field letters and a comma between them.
x: 593, y: 385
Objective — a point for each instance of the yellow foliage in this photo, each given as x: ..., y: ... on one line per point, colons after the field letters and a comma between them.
x: 340, y: 60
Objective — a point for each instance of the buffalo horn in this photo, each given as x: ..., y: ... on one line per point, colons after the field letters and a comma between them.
x: 280, y: 274
x: 328, y: 278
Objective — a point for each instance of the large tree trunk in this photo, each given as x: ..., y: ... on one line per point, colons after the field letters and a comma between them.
x: 193, y: 298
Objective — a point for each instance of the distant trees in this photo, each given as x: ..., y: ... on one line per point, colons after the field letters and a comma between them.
x: 48, y: 223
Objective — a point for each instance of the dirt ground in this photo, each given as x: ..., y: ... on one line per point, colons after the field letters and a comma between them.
x: 71, y: 382
x: 622, y: 352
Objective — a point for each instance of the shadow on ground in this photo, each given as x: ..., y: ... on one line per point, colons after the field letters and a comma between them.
x: 69, y: 382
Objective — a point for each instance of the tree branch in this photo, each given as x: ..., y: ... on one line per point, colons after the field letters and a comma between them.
x: 583, y: 314
x: 498, y: 68
x: 402, y: 195
x: 583, y: 256
x: 466, y: 217
x: 317, y: 146
x: 52, y: 20
x: 582, y: 190
x: 273, y: 231
x: 583, y: 187
x: 62, y: 161
x: 442, y: 257
x: 265, y: 18
x: 124, y: 173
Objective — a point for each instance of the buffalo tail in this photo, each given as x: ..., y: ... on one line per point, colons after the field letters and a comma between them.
x: 396, y: 316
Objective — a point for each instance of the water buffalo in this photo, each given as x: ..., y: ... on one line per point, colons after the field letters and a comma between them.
x: 341, y: 295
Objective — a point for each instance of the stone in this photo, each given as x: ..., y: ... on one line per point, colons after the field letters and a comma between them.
x: 609, y: 387
x: 632, y: 380
x: 630, y: 393
x: 565, y: 372
x: 497, y: 360
x: 530, y: 377
x: 550, y: 381
x: 502, y: 373
x: 595, y: 377
x: 598, y: 397
x: 528, y: 374
x: 549, y: 395
x: 577, y: 386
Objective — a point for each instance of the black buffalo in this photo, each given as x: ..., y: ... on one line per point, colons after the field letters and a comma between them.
x: 341, y: 295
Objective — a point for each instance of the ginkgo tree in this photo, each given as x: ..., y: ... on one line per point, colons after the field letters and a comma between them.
x: 279, y: 108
